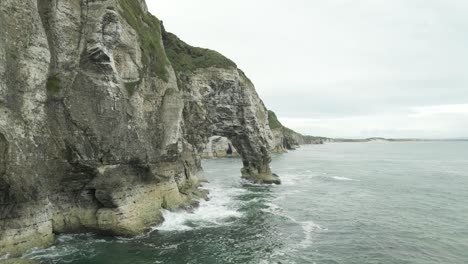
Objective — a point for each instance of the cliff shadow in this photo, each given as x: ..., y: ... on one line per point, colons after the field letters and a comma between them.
x: 3, y: 166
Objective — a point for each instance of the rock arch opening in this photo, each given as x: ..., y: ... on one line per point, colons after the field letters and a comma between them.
x: 255, y: 161
x: 229, y: 150
x: 219, y: 147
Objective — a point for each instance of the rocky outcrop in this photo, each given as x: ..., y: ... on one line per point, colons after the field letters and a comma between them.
x: 102, y: 122
x: 285, y: 139
x: 221, y: 101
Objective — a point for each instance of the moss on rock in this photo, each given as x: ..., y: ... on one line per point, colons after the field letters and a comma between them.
x: 185, y: 58
x: 273, y: 120
x: 148, y: 28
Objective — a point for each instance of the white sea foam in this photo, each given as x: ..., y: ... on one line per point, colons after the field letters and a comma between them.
x: 4, y: 257
x: 52, y: 252
x: 216, y: 211
x: 308, y: 228
x: 297, y: 178
x: 290, y: 179
x: 66, y: 247
x: 245, y: 182
x: 342, y: 178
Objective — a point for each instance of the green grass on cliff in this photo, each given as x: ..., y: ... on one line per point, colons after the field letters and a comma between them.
x: 185, y: 58
x: 148, y: 28
x: 155, y: 56
x: 273, y: 120
x: 275, y: 123
x: 287, y: 132
x: 242, y: 73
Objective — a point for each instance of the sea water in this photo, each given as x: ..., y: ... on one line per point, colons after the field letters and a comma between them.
x: 349, y: 203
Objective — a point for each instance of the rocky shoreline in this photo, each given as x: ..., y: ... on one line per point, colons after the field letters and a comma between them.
x: 105, y: 117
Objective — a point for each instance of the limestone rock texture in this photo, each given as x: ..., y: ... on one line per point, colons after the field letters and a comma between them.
x: 104, y: 116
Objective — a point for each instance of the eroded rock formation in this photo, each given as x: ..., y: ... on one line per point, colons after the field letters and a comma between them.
x: 219, y: 147
x: 103, y: 115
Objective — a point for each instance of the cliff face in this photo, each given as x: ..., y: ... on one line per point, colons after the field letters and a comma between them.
x: 285, y: 139
x: 103, y: 115
x: 221, y: 101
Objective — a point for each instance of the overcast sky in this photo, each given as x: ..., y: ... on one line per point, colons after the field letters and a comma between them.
x: 342, y: 68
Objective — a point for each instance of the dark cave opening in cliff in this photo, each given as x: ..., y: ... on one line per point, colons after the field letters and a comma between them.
x: 229, y: 150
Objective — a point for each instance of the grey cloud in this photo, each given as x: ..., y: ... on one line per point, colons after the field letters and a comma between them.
x: 338, y: 58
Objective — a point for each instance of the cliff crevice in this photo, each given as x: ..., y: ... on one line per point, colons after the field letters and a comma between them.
x: 104, y: 116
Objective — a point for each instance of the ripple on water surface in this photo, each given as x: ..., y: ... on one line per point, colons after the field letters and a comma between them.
x: 339, y: 203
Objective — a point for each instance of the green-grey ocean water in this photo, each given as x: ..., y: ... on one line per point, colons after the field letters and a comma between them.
x: 350, y: 203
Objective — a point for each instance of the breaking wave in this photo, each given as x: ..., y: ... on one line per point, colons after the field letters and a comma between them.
x: 220, y: 209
